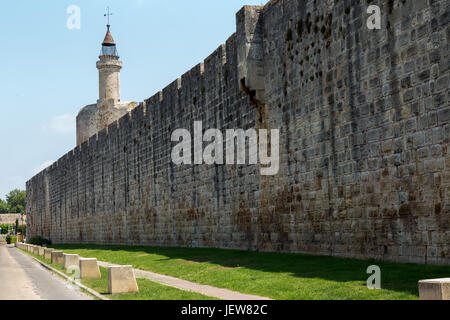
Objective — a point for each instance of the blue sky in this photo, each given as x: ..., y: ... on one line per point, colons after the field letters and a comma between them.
x: 48, y: 71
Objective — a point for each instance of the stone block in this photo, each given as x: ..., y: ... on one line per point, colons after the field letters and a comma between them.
x: 36, y: 250
x: 71, y: 261
x: 57, y: 257
x: 48, y: 253
x: 121, y: 279
x: 41, y: 251
x: 434, y: 289
x: 89, y: 268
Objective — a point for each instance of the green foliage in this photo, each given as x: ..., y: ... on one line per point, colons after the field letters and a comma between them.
x: 39, y: 241
x: 22, y: 229
x: 10, y: 239
x: 4, y: 228
x: 16, y: 201
x: 3, y: 207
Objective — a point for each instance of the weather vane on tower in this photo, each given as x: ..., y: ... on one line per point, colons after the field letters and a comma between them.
x: 108, y: 15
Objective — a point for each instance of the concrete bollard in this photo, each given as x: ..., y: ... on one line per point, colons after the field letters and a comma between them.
x: 71, y: 261
x: 57, y: 257
x: 48, y: 253
x: 89, y: 269
x: 36, y: 250
x: 121, y: 279
x: 41, y: 251
x: 29, y: 248
x: 434, y: 289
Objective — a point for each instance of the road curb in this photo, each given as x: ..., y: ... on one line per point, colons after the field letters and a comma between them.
x: 46, y: 266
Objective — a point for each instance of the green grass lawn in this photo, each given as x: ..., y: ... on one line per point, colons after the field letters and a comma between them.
x: 148, y: 290
x: 274, y: 275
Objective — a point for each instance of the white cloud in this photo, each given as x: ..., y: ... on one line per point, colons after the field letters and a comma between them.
x: 63, y: 124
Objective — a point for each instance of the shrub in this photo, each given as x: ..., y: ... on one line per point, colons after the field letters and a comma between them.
x: 39, y: 241
x: 10, y: 239
x: 4, y: 228
x: 22, y: 229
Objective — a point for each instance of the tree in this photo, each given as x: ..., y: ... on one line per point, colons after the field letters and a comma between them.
x: 3, y: 207
x: 4, y: 228
x: 16, y: 201
x: 22, y: 229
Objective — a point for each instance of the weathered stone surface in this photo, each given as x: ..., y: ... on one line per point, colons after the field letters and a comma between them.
x: 41, y: 251
x: 121, y: 279
x: 435, y: 289
x: 96, y: 117
x: 89, y: 268
x: 48, y: 253
x: 71, y: 261
x: 57, y: 257
x: 11, y: 218
x: 364, y: 144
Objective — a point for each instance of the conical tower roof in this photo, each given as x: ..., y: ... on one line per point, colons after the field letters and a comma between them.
x: 109, y: 41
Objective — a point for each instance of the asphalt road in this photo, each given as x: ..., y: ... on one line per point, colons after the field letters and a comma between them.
x: 22, y: 278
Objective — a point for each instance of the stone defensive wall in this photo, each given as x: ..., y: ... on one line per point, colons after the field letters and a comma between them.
x: 364, y: 123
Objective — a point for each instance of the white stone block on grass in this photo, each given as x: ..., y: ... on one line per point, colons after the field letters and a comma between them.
x: 434, y: 289
x: 48, y: 253
x: 121, y: 279
x: 36, y: 250
x: 57, y: 257
x: 89, y: 268
x: 41, y: 251
x: 71, y: 261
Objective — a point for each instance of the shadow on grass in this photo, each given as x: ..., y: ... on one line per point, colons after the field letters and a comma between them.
x: 395, y: 276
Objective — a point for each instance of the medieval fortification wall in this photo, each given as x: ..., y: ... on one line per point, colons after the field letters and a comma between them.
x: 364, y: 125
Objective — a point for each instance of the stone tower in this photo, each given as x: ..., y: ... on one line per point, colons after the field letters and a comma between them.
x: 109, y: 70
x: 109, y: 108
